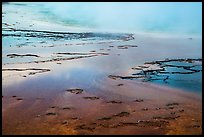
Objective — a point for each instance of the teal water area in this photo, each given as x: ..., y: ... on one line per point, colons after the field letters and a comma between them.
x: 167, y: 17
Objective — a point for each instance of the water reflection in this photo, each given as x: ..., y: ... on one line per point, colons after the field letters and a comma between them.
x: 51, y: 85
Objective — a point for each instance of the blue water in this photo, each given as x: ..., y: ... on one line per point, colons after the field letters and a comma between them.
x: 187, y: 82
x: 165, y: 17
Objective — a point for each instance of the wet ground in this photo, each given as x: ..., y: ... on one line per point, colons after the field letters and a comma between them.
x: 99, y: 83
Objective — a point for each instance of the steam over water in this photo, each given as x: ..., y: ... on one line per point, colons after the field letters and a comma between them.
x: 168, y: 18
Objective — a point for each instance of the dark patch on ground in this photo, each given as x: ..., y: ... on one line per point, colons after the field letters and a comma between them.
x: 172, y: 104
x: 75, y: 91
x: 115, y: 102
x: 19, y: 99
x: 50, y: 114
x: 84, y: 127
x: 105, y: 118
x: 145, y: 109
x: 121, y: 114
x: 27, y: 69
x: 25, y: 55
x: 139, y: 100
x: 126, y: 46
x: 91, y: 98
x: 67, y: 108
x: 120, y: 85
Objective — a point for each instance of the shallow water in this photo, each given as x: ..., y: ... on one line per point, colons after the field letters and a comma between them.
x: 117, y: 62
x: 43, y: 59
